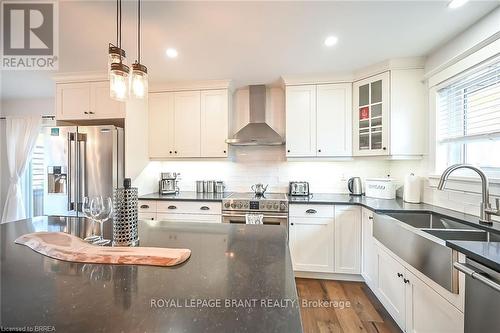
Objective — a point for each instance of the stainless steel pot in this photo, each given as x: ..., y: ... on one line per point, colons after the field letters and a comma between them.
x: 219, y: 187
x: 259, y: 189
x: 199, y: 186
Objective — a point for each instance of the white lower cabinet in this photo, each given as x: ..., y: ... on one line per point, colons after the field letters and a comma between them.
x: 347, y: 239
x: 369, y: 254
x: 413, y: 304
x: 167, y: 217
x: 391, y: 287
x: 180, y: 211
x: 428, y: 311
x: 325, y: 238
x: 311, y: 243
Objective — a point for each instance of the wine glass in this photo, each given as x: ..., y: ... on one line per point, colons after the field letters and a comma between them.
x: 87, y: 211
x: 105, y: 214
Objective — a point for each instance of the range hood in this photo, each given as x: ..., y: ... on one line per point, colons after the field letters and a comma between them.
x: 257, y: 132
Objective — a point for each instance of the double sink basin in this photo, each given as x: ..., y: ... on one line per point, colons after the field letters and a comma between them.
x: 420, y: 240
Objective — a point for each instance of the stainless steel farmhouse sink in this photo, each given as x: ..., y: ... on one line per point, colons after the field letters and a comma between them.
x: 419, y: 239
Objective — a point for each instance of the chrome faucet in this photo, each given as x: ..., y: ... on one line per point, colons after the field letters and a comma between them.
x: 486, y: 210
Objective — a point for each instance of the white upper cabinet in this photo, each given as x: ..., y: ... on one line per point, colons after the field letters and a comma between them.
x: 389, y: 114
x: 333, y: 119
x: 161, y: 125
x: 371, y: 116
x: 187, y: 124
x: 73, y: 101
x: 86, y: 100
x: 347, y: 239
x: 103, y: 106
x: 187, y: 119
x: 301, y: 121
x: 214, y: 122
x: 318, y: 120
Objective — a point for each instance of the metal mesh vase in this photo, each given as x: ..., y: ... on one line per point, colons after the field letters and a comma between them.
x: 125, y: 228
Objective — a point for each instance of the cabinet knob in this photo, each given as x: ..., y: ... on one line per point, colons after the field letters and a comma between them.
x: 291, y: 223
x: 288, y: 150
x: 224, y: 151
x: 319, y: 150
x: 91, y: 112
x: 370, y: 217
x: 400, y: 275
x: 170, y: 152
x: 384, y: 148
x: 175, y: 151
x: 86, y: 112
x: 406, y: 281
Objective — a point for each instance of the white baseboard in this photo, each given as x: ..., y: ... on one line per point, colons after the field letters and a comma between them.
x: 329, y: 276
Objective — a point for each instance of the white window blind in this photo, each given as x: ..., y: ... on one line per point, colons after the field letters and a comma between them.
x: 468, y: 119
x: 469, y: 109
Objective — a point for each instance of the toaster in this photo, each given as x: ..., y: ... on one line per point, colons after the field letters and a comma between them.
x: 298, y: 188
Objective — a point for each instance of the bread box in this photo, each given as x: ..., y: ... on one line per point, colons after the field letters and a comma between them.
x: 381, y: 188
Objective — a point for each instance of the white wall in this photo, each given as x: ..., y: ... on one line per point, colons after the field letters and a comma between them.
x: 462, y: 194
x: 249, y: 165
x: 24, y: 107
x: 465, y: 43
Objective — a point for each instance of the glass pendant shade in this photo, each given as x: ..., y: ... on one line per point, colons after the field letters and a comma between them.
x: 115, y: 56
x: 139, y: 81
x: 119, y: 81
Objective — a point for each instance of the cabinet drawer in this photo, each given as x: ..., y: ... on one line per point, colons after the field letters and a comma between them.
x: 204, y: 218
x: 311, y: 210
x: 147, y: 216
x: 189, y: 207
x: 147, y: 206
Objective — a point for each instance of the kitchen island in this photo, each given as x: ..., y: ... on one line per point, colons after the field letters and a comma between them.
x: 239, y: 278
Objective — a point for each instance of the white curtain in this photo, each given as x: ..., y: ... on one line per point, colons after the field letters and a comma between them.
x: 20, y: 139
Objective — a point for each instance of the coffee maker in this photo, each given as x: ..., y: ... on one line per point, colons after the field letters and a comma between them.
x: 168, y: 183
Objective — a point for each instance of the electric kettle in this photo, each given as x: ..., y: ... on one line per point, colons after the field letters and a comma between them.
x: 355, y: 186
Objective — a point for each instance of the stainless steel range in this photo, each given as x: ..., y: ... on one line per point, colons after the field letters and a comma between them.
x: 273, y: 207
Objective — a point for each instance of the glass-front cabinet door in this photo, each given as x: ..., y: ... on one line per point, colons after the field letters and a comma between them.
x: 371, y: 116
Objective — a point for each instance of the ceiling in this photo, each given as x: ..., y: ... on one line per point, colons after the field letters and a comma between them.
x: 249, y: 42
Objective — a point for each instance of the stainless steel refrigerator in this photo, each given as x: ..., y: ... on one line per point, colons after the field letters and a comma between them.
x: 80, y: 161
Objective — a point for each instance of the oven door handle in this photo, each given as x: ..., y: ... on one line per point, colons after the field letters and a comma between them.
x: 244, y: 215
x: 467, y: 270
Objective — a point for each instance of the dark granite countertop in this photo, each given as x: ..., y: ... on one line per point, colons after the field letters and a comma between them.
x: 393, y: 206
x: 486, y: 253
x: 228, y: 262
x: 376, y: 205
x: 186, y: 196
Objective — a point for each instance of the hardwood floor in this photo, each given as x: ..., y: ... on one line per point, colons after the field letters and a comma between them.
x: 364, y: 313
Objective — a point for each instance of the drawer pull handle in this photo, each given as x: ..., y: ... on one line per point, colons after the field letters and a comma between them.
x: 311, y: 211
x: 370, y: 217
x: 144, y: 206
x: 204, y: 208
x: 172, y: 207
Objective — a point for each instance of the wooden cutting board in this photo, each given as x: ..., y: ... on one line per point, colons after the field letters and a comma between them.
x: 63, y: 246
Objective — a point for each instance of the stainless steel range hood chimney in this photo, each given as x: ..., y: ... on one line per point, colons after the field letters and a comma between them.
x: 257, y: 132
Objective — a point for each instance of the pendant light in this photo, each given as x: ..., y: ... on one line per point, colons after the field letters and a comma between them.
x: 118, y: 70
x: 139, y: 78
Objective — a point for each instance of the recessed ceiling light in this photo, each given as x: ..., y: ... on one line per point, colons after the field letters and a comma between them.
x: 457, y: 3
x: 172, y: 53
x: 331, y: 40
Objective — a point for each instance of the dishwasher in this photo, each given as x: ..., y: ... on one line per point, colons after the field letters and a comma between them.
x: 482, y: 297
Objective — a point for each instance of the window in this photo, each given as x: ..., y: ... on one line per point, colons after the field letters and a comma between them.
x: 32, y: 181
x: 468, y: 120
